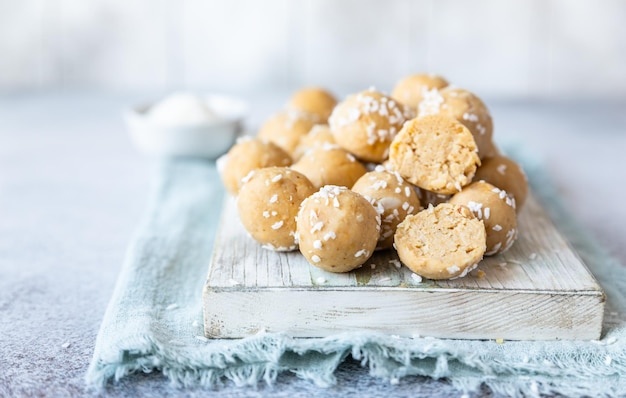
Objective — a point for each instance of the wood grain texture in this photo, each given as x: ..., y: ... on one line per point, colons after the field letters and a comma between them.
x: 538, y: 290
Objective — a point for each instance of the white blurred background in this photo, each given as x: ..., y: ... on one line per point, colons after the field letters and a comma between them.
x: 504, y: 49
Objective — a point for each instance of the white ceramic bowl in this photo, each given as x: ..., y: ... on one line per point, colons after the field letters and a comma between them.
x: 208, y: 139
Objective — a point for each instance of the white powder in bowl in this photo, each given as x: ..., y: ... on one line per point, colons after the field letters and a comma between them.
x: 182, y: 109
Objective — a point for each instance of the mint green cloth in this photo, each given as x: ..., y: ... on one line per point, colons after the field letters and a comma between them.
x: 154, y: 319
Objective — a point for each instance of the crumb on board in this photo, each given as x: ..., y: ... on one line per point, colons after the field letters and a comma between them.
x: 500, y: 340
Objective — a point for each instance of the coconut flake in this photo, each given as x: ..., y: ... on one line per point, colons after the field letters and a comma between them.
x: 248, y: 177
x: 380, y: 184
x: 431, y: 102
x: 495, y: 249
x: 453, y: 269
x: 361, y: 252
x: 317, y: 227
x: 476, y: 208
x: 470, y: 117
x: 330, y: 235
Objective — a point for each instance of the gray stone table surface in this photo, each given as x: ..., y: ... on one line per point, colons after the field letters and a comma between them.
x: 72, y: 190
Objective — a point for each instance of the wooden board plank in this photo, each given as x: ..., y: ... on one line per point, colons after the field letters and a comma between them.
x: 538, y: 290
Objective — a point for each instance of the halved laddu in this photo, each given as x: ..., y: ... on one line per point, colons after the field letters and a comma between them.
x: 443, y: 242
x: 436, y: 153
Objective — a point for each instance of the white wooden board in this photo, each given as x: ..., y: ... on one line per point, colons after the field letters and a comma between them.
x: 538, y: 290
